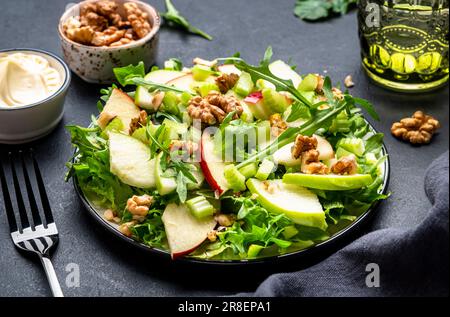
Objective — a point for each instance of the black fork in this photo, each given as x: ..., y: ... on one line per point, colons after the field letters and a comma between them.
x: 40, y: 234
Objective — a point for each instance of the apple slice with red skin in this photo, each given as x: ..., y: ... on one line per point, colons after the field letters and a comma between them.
x: 184, y: 231
x: 212, y: 166
x: 256, y: 105
x: 184, y: 82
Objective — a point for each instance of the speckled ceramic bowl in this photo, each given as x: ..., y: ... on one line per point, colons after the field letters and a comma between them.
x: 95, y: 64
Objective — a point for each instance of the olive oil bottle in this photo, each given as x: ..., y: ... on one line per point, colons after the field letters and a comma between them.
x: 404, y: 44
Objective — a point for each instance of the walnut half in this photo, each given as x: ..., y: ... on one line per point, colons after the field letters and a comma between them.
x: 418, y: 129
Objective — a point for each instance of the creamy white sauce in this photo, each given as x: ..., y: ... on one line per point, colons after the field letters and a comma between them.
x: 26, y: 79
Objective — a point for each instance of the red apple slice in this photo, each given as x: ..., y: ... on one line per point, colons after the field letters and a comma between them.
x: 212, y: 166
x: 184, y: 232
x: 184, y: 82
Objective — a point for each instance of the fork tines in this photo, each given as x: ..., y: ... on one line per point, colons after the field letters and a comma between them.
x: 26, y: 164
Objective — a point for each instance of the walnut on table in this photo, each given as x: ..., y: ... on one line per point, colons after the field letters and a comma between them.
x: 213, y: 108
x: 418, y: 129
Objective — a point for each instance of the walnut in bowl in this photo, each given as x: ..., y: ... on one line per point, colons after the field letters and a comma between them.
x: 98, y: 35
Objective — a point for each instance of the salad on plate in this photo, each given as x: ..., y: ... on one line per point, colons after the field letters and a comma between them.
x: 226, y: 160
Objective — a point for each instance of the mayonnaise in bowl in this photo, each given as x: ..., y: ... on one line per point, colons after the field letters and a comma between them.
x: 26, y: 78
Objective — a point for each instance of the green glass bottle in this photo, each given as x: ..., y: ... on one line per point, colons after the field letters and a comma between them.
x: 404, y: 43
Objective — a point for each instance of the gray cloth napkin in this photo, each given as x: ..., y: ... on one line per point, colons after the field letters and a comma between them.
x: 412, y: 262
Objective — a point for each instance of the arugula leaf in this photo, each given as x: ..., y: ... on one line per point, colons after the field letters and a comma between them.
x: 152, y: 86
x: 374, y: 142
x: 319, y: 9
x: 172, y: 16
x: 124, y: 74
x: 181, y: 167
x: 263, y: 72
x: 181, y: 187
x: 298, y: 111
x: 365, y: 104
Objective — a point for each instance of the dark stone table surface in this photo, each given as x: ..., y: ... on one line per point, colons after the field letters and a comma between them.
x: 109, y: 267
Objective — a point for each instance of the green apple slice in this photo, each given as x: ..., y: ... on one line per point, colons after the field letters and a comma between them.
x: 130, y: 161
x: 297, y: 203
x: 284, y: 71
x: 328, y: 182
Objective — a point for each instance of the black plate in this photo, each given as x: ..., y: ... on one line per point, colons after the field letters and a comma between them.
x: 314, y: 250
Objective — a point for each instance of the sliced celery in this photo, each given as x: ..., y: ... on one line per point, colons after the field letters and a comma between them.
x: 244, y: 85
x: 200, y: 207
x: 234, y: 178
x: 274, y: 100
x: 205, y: 88
x: 265, y: 169
x: 201, y: 72
x: 170, y: 103
x: 353, y: 145
x: 254, y: 250
x: 309, y: 83
x: 289, y: 232
x: 249, y: 170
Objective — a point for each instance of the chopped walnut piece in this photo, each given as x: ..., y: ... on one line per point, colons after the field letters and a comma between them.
x: 95, y: 21
x: 212, y: 236
x: 418, y: 129
x: 337, y: 93
x: 348, y: 81
x: 315, y: 168
x: 345, y: 165
x: 311, y: 163
x: 107, y: 37
x: 108, y: 215
x: 139, y: 205
x: 138, y: 122
x: 100, y: 23
x: 125, y: 228
x: 225, y: 220
x: 213, y: 108
x: 301, y: 144
x: 277, y: 124
x: 226, y: 81
x: 106, y: 7
x: 138, y: 19
x: 82, y: 35
x: 180, y: 145
x: 320, y: 81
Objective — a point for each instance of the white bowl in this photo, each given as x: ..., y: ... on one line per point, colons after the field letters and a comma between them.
x: 95, y: 64
x: 21, y: 124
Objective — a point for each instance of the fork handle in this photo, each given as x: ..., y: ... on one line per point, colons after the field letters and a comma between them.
x: 51, y: 276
